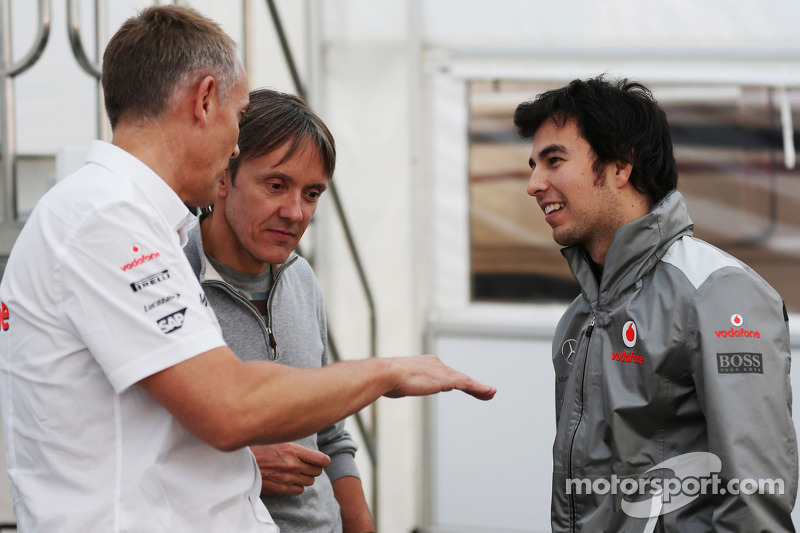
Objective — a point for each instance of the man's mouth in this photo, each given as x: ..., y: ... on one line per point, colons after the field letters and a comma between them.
x: 549, y: 208
x: 282, y: 233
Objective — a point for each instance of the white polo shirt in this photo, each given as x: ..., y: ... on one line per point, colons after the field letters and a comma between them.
x: 96, y: 296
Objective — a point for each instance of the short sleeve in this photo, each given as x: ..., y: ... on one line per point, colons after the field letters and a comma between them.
x: 128, y: 292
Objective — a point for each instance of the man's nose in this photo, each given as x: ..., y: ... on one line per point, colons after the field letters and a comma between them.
x: 235, y: 153
x: 292, y: 208
x: 536, y: 184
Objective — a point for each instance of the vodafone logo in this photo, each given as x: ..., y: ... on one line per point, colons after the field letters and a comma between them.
x: 144, y: 258
x: 629, y: 334
x: 134, y: 249
x: 738, y: 321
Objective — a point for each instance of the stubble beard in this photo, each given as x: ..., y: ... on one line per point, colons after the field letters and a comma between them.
x: 590, y: 233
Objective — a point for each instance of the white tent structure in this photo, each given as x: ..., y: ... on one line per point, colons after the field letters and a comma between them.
x: 412, y: 90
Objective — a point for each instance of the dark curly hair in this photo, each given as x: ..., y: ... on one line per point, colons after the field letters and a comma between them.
x: 620, y: 120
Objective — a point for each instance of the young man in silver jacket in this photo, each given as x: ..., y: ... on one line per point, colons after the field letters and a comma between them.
x: 673, y: 400
x: 269, y: 303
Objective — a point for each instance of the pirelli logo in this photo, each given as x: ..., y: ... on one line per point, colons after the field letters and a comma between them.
x: 740, y: 363
x: 150, y: 280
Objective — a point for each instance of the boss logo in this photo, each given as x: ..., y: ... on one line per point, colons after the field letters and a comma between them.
x: 740, y: 363
x: 172, y: 321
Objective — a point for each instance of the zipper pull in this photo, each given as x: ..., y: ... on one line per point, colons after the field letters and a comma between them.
x: 590, y: 328
x: 272, y: 342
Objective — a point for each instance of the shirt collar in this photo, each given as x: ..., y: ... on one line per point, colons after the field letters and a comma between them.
x: 150, y: 184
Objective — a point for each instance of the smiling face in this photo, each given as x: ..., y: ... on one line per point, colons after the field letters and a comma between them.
x: 580, y: 203
x: 268, y: 209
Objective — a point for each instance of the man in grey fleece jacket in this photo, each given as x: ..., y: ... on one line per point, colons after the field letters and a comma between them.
x: 672, y: 366
x: 269, y: 303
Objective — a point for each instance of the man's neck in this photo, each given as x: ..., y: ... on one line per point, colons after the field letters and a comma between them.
x: 152, y: 147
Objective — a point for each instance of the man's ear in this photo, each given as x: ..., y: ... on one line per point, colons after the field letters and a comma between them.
x: 224, y: 184
x: 622, y: 173
x: 204, y: 98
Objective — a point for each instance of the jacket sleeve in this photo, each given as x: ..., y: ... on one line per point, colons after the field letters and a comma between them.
x: 739, y: 338
x: 334, y: 441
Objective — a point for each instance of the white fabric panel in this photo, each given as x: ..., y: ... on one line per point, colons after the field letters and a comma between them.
x: 492, y: 23
x: 492, y: 462
x: 448, y: 155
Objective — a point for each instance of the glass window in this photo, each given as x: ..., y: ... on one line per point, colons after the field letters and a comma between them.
x: 729, y: 148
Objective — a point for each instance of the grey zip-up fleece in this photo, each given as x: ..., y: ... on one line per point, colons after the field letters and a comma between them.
x: 674, y: 367
x: 296, y: 321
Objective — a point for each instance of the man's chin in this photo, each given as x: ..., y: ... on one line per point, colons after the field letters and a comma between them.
x: 277, y: 257
x: 201, y: 200
x: 564, y: 240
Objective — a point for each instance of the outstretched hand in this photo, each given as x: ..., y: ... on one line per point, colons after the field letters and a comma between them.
x: 426, y: 374
x: 288, y: 468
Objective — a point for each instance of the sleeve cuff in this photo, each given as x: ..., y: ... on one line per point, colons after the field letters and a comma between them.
x: 342, y: 464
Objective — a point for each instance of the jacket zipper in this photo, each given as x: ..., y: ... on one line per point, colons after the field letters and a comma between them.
x: 572, y: 512
x: 273, y: 344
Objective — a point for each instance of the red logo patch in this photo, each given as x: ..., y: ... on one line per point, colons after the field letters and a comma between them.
x: 4, y: 314
x: 629, y: 334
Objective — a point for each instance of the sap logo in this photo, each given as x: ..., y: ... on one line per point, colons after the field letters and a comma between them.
x: 172, y: 321
x: 4, y: 315
x: 150, y: 280
x: 740, y: 363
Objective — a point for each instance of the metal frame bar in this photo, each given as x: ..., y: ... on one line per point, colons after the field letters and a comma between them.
x: 8, y: 71
x: 75, y: 41
x: 39, y: 42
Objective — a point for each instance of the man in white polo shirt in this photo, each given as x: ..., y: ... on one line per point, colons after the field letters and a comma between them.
x: 123, y: 409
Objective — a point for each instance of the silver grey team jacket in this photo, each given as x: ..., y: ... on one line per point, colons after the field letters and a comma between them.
x: 672, y: 373
x: 297, y: 325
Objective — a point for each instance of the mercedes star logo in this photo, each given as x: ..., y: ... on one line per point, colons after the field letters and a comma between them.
x: 568, y: 350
